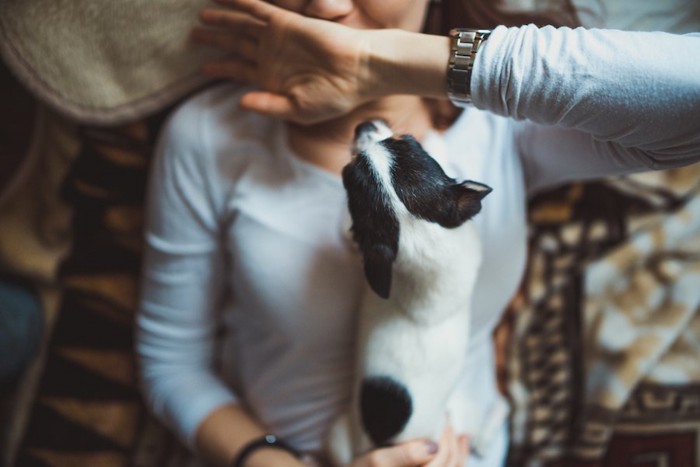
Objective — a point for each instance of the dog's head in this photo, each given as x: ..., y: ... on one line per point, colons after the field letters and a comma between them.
x: 392, y: 175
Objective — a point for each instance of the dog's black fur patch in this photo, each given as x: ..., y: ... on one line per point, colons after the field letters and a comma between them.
x: 425, y: 189
x: 421, y: 185
x: 385, y: 408
x: 375, y: 227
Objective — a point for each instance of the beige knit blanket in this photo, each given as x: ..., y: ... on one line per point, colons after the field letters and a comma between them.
x: 103, y: 61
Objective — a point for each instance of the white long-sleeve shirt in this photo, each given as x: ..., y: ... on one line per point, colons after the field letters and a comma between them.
x: 248, y: 242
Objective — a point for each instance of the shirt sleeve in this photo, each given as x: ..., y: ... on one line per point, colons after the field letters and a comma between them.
x: 182, y: 283
x: 595, y: 102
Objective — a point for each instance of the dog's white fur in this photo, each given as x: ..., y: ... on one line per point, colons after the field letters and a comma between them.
x: 418, y: 336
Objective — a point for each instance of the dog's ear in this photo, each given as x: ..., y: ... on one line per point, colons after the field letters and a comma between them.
x: 467, y: 198
x: 375, y: 227
x: 378, y: 261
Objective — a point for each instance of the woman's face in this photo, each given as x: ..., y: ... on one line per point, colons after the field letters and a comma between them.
x: 363, y: 14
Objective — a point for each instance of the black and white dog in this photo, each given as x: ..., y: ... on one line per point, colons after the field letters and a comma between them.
x: 421, y: 257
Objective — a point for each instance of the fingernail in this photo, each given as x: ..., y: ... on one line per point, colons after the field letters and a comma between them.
x: 431, y: 446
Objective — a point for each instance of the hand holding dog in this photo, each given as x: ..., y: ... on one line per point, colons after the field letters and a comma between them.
x: 310, y: 70
x: 451, y: 451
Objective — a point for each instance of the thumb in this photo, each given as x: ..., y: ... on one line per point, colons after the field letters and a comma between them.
x: 266, y: 103
x: 408, y: 454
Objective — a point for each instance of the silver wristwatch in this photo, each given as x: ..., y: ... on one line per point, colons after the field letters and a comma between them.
x: 464, y: 47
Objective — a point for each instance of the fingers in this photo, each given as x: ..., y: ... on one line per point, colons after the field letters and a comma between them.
x: 239, y: 45
x: 239, y: 70
x: 454, y: 449
x: 272, y: 105
x: 464, y: 447
x: 234, y: 21
x: 238, y: 33
x: 408, y: 454
x: 257, y: 8
x: 445, y: 454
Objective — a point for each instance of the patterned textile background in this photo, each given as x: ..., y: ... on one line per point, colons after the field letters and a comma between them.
x: 604, y: 367
x: 87, y: 410
x: 604, y: 360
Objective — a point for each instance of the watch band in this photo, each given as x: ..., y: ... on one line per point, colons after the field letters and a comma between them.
x: 464, y: 46
x: 267, y: 441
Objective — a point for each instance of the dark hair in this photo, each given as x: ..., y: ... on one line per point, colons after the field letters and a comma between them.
x: 447, y: 14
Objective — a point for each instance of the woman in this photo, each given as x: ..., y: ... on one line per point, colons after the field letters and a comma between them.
x: 247, y: 231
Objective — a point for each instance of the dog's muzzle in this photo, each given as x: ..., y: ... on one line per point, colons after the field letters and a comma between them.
x: 369, y: 133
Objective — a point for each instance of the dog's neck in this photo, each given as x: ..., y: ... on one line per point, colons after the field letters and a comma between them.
x: 431, y: 268
x: 327, y: 144
x: 427, y: 247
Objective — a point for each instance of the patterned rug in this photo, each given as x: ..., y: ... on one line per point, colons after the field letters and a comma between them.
x: 604, y: 368
x: 88, y: 410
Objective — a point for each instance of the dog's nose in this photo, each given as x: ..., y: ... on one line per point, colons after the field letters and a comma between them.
x: 369, y: 133
x: 365, y: 127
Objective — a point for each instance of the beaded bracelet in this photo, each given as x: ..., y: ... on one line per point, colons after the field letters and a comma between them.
x: 267, y: 441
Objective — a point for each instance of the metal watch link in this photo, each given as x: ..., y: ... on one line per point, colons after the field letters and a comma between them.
x: 465, y: 44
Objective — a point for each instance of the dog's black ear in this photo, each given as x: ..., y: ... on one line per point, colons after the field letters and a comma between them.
x: 378, y: 261
x: 467, y: 198
x: 375, y: 227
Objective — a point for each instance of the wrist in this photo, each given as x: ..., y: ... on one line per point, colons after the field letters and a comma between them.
x: 270, y: 456
x: 402, y: 62
x: 265, y: 451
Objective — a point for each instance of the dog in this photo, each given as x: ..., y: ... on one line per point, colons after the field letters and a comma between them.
x: 421, y: 257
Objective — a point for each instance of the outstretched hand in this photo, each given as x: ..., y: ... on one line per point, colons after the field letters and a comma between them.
x: 307, y: 69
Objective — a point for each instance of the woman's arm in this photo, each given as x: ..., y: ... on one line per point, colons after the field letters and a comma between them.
x: 182, y: 290
x: 636, y: 95
x: 309, y: 70
x: 604, y: 102
x: 227, y: 430
x: 181, y: 293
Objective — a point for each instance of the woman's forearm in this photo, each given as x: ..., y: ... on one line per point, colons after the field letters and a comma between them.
x: 402, y: 62
x: 312, y: 70
x: 637, y: 89
x: 226, y: 431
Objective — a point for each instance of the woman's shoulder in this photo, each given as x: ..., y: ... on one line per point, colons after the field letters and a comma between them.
x: 212, y: 120
x: 208, y: 133
x: 208, y: 145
